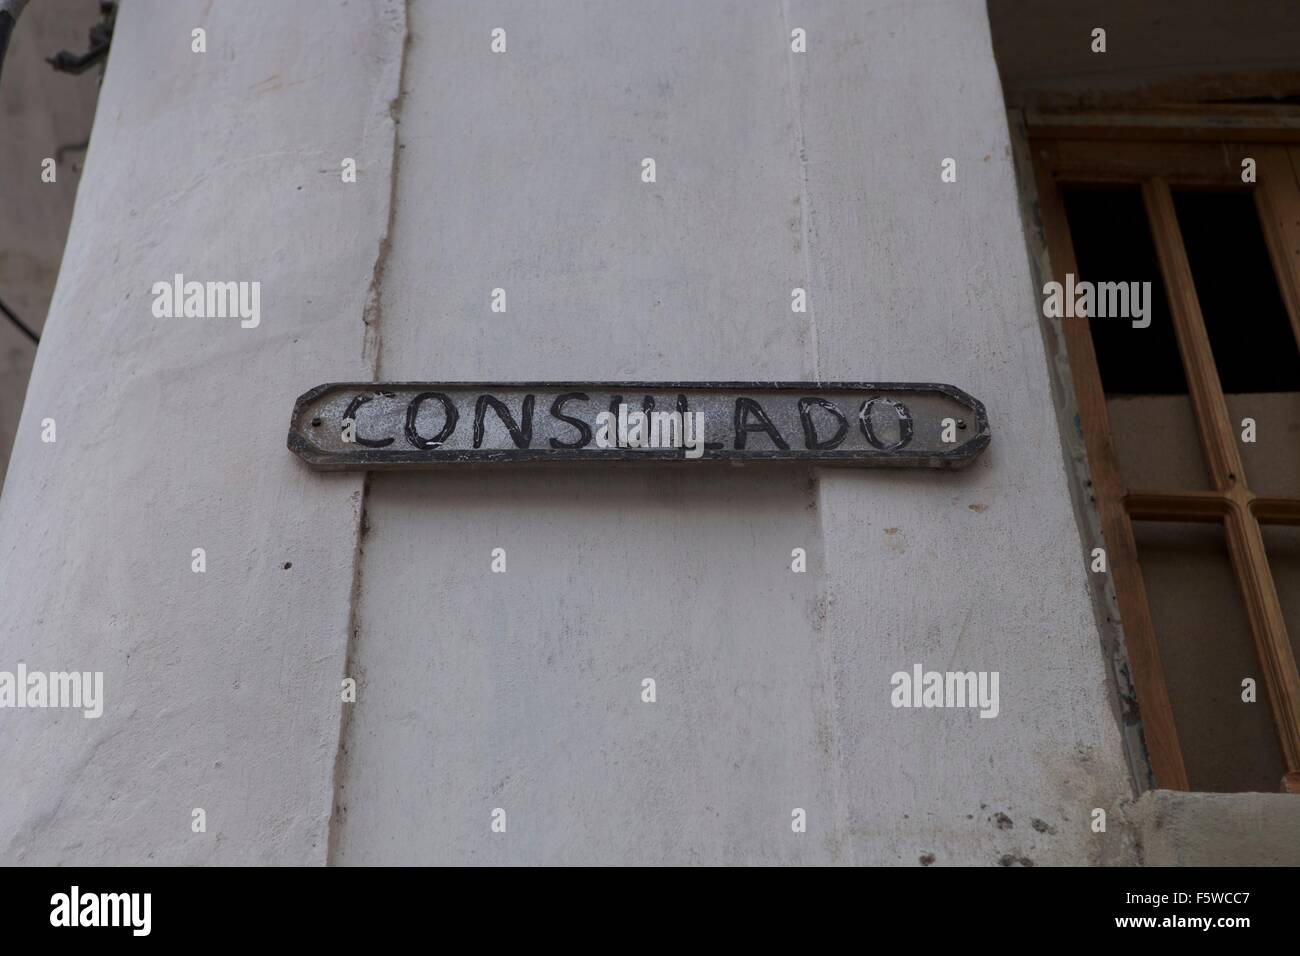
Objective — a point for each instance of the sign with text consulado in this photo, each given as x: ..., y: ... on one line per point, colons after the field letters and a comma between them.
x: 381, y: 425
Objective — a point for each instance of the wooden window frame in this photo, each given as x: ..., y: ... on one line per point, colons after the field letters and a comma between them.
x: 1156, y: 151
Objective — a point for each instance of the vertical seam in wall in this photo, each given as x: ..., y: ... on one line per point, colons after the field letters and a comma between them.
x: 345, y: 712
x: 805, y: 215
x: 371, y: 317
x: 825, y: 600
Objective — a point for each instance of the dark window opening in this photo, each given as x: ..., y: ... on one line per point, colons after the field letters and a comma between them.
x: 1245, y: 317
x: 1112, y: 243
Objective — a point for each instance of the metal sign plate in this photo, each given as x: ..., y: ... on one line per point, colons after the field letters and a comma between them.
x: 377, y: 425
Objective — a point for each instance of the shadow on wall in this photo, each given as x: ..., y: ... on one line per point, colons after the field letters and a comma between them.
x: 44, y: 115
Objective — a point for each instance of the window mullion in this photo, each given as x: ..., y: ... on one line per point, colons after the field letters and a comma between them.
x: 1217, y: 436
x: 1201, y: 506
x: 1277, y: 197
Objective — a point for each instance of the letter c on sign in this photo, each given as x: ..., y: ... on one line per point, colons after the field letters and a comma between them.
x: 351, y: 413
x: 869, y: 430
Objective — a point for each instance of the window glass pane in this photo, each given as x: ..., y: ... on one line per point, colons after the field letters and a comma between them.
x: 1272, y: 461
x: 1282, y: 542
x: 1156, y: 442
x: 1250, y: 333
x: 1153, y: 429
x: 1206, y: 650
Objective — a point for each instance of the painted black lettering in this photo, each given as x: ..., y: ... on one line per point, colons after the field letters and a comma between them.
x: 450, y: 416
x: 869, y: 428
x: 353, y: 407
x: 522, y: 434
x: 746, y: 407
x: 683, y: 407
x: 584, y: 430
x: 810, y: 439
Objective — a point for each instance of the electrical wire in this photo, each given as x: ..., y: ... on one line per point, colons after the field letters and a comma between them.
x: 9, y: 11
x: 19, y: 322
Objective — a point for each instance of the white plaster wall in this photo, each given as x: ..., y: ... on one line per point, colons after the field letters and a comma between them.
x: 922, y: 280
x: 222, y: 689
x: 521, y: 691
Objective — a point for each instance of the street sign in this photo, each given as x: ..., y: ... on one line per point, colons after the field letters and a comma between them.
x: 379, y: 425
